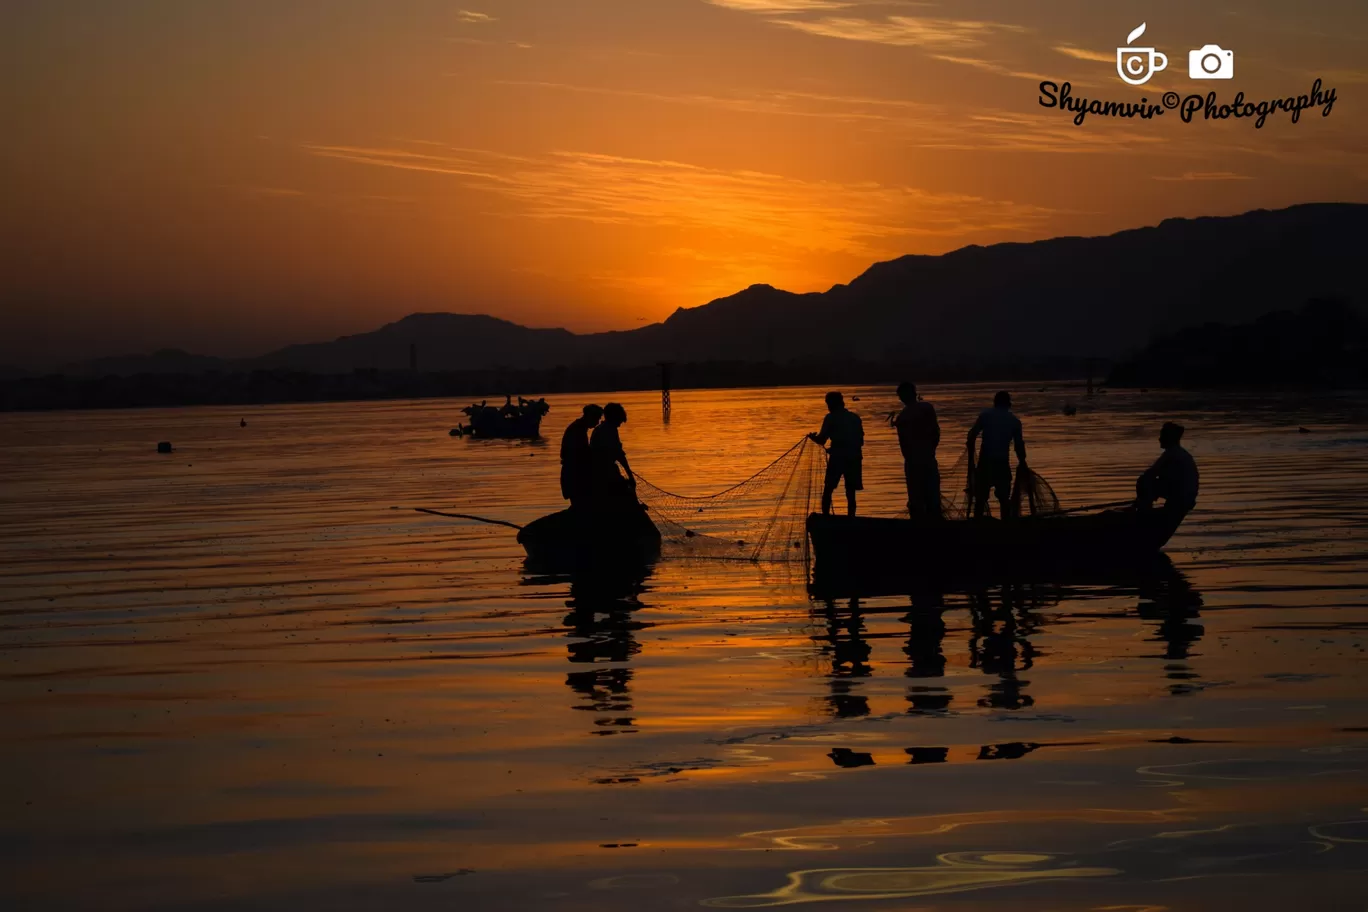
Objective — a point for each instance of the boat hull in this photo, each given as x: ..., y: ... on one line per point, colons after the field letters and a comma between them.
x: 573, y: 540
x: 874, y: 550
x: 498, y: 427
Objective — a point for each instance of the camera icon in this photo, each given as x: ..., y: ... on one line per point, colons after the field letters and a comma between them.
x: 1211, y: 61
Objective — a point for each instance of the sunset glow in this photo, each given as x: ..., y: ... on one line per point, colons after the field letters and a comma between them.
x: 230, y: 177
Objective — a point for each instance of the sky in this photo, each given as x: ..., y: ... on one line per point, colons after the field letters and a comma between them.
x: 229, y: 176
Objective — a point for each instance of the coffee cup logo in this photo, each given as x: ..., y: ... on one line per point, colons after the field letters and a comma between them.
x: 1135, y: 65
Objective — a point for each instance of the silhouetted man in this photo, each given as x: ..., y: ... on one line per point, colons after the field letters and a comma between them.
x: 1172, y: 477
x: 1001, y: 431
x: 574, y: 456
x: 918, y: 437
x: 846, y: 456
x: 610, y: 489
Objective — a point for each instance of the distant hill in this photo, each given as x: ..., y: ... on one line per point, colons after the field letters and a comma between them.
x: 444, y: 341
x: 1070, y: 297
x: 1324, y: 345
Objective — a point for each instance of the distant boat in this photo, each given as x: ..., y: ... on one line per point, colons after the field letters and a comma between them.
x: 569, y: 541
x: 521, y: 421
x: 872, y: 548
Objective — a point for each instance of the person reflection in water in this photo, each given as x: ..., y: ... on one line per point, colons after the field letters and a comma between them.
x: 849, y: 651
x: 846, y: 432
x: 611, y: 490
x: 1173, y: 476
x: 574, y: 456
x: 1001, y: 430
x: 918, y: 437
x: 925, y: 655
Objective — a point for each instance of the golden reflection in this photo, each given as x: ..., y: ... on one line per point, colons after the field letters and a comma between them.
x: 602, y: 634
x: 956, y: 872
x: 828, y: 836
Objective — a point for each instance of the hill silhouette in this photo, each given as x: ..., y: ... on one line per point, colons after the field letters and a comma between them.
x: 1322, y: 345
x: 1065, y: 297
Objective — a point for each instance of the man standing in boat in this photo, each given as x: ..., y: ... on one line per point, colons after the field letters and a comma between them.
x: 1001, y: 431
x: 845, y: 458
x: 574, y: 457
x: 1173, y: 476
x: 918, y: 437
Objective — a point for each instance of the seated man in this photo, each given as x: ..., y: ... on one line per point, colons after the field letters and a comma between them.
x: 846, y: 433
x: 1173, y: 476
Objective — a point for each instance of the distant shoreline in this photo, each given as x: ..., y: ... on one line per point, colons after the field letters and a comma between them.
x: 63, y: 393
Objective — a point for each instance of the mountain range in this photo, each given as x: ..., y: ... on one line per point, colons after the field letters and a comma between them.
x: 1069, y: 296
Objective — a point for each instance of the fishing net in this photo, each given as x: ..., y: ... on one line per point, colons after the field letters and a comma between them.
x: 1031, y: 494
x: 760, y: 519
x: 764, y: 518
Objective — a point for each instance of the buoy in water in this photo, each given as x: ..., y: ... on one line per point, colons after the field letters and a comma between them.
x: 164, y: 446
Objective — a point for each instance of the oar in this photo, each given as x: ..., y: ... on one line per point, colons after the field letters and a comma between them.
x: 1099, y: 506
x: 483, y: 519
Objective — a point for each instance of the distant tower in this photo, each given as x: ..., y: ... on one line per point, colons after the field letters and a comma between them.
x: 413, y: 356
x: 665, y: 389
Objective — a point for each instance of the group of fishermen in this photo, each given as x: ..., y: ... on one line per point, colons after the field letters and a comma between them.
x: 1173, y: 478
x: 591, y: 451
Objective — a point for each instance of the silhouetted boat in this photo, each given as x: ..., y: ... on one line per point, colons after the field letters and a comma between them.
x: 870, y: 548
x: 571, y: 540
x: 521, y: 421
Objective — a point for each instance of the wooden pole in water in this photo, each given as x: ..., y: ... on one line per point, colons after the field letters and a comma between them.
x: 665, y: 389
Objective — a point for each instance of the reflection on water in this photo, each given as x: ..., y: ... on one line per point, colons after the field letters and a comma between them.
x: 602, y: 633
x: 248, y: 675
x: 957, y: 872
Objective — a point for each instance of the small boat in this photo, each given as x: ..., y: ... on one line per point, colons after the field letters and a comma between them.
x: 573, y: 540
x: 868, y: 548
x: 521, y: 421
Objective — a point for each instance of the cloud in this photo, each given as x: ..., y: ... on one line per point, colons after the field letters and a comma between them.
x: 1205, y: 176
x: 947, y: 39
x: 1081, y: 54
x: 864, y: 219
x: 781, y: 6
x: 918, y: 124
x: 988, y: 66
x: 473, y: 17
x: 904, y: 31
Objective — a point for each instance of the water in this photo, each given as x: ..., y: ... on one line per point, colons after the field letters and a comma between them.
x: 247, y: 675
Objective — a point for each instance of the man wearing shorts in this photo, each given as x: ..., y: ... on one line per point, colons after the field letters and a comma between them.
x: 1001, y: 432
x: 846, y: 433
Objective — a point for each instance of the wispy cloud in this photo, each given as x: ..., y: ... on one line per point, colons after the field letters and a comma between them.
x: 905, y: 31
x: 918, y: 124
x: 863, y: 218
x: 473, y: 17
x: 272, y: 192
x: 1205, y: 176
x: 521, y: 45
x: 782, y: 6
x: 956, y: 41
x: 1082, y: 54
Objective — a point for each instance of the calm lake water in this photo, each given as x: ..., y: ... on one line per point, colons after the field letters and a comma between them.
x: 248, y: 675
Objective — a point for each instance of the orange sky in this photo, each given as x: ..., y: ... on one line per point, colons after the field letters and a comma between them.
x: 231, y: 175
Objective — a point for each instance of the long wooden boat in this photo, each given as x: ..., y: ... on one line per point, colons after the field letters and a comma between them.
x: 871, y: 548
x: 586, y: 540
